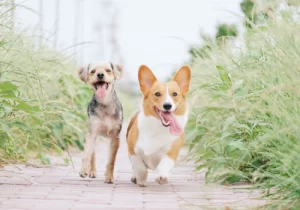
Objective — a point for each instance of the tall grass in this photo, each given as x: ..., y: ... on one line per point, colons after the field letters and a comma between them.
x: 245, y: 123
x: 42, y: 102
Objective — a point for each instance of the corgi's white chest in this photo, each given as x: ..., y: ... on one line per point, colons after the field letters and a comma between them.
x: 154, y: 138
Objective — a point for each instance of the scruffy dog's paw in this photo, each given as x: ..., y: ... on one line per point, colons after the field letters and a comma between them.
x: 142, y: 183
x: 85, y: 171
x: 162, y: 180
x: 133, y: 180
x: 93, y: 174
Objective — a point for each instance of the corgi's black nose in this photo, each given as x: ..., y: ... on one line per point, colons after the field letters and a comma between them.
x: 100, y: 76
x: 167, y: 106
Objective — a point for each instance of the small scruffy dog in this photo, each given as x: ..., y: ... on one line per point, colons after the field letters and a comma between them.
x: 105, y: 115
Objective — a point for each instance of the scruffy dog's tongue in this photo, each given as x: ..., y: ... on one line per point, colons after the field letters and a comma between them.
x: 175, y: 128
x: 101, y: 90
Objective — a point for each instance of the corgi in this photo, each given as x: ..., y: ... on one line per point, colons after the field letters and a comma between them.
x: 155, y: 134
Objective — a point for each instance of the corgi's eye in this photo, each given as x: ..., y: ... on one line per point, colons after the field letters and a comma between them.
x: 157, y: 94
x: 174, y: 94
x: 108, y: 70
x: 93, y: 71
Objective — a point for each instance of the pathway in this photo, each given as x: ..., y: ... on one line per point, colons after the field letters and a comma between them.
x: 60, y: 187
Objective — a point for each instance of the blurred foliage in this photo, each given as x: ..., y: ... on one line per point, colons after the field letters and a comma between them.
x: 42, y: 102
x: 202, y: 51
x: 245, y: 121
x: 247, y: 6
x: 226, y: 31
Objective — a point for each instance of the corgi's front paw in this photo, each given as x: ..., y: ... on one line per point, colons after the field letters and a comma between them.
x: 142, y: 183
x: 162, y: 180
x: 133, y: 180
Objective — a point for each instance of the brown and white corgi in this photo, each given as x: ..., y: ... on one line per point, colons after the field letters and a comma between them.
x: 156, y: 133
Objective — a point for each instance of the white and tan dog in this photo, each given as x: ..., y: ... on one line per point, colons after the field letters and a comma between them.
x: 156, y: 133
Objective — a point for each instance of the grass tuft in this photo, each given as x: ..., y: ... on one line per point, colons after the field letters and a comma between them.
x: 245, y: 123
x: 42, y: 102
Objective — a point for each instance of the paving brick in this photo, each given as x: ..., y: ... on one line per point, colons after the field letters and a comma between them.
x: 82, y: 205
x: 8, y: 208
x: 60, y: 187
x: 158, y: 205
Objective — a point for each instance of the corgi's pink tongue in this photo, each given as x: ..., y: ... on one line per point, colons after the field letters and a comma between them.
x: 175, y: 128
x: 101, y: 91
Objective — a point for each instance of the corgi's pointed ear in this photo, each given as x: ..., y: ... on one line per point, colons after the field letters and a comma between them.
x: 146, y: 78
x: 83, y: 73
x: 183, y: 78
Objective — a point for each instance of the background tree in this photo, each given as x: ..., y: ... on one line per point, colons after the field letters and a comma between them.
x: 247, y: 7
x: 225, y: 32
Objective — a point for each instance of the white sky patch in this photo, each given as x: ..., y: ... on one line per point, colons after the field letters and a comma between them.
x: 152, y: 32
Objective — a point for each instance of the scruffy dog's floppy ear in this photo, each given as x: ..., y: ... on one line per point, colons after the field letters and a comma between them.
x: 118, y: 70
x: 82, y: 73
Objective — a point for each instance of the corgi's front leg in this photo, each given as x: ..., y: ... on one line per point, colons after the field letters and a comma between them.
x: 163, y: 169
x: 140, y: 171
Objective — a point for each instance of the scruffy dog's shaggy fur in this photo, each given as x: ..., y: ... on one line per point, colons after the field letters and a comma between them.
x: 105, y: 115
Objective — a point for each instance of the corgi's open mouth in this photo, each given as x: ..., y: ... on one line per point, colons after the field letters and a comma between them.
x: 164, y: 117
x: 168, y: 119
x: 101, y: 88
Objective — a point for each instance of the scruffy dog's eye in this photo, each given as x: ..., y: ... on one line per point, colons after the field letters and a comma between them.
x: 108, y: 70
x: 157, y: 94
x: 93, y: 71
x: 174, y: 94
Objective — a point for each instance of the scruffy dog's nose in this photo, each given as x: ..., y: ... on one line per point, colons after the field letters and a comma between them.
x: 167, y: 106
x: 100, y: 76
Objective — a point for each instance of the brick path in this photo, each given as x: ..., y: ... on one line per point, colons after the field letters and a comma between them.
x: 60, y: 187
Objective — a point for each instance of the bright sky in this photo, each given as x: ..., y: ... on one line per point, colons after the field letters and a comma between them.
x: 157, y: 33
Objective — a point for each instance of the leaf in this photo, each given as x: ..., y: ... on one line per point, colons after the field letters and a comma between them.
x: 263, y: 28
x: 233, y: 179
x: 57, y: 129
x: 2, y: 43
x: 6, y: 129
x: 79, y: 144
x: 191, y: 146
x: 236, y: 145
x: 224, y: 75
x: 198, y: 168
x: 7, y: 86
x: 20, y: 125
x: 26, y: 107
x: 37, y: 120
x: 44, y: 159
x: 8, y: 94
x: 191, y: 132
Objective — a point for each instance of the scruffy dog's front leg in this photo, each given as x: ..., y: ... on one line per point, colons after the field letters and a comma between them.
x: 114, y: 146
x: 93, y: 166
x: 88, y: 160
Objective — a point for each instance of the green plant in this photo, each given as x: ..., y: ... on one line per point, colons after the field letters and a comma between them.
x: 42, y: 102
x: 225, y: 31
x: 245, y: 123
